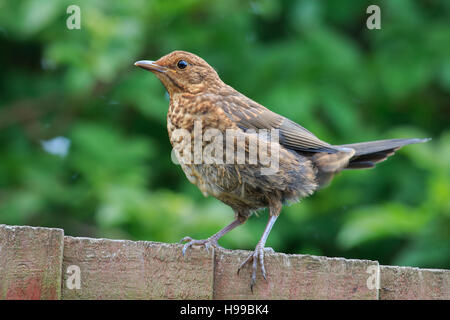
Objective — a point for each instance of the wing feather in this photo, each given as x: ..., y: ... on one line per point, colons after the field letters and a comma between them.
x: 248, y: 114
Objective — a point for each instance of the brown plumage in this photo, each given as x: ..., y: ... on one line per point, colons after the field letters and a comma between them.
x: 305, y: 163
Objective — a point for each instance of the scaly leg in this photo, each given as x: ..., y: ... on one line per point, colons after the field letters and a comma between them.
x: 211, y: 241
x: 258, y: 254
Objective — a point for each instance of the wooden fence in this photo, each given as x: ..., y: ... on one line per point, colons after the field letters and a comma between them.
x: 42, y: 263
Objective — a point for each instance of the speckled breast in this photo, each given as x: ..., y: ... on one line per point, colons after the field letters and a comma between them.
x: 190, y: 121
x: 241, y: 186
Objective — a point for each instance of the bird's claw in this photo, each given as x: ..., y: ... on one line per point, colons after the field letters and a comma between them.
x: 207, y: 243
x: 254, y: 257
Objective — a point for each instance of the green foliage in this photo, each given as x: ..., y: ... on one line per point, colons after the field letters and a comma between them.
x: 312, y: 61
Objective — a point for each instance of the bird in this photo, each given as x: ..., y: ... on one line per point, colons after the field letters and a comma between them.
x: 202, y: 105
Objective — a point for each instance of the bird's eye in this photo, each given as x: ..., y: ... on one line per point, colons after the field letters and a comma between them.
x: 182, y: 64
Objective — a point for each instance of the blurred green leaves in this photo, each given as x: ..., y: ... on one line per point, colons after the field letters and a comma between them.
x: 312, y: 61
x: 104, y: 157
x: 380, y: 221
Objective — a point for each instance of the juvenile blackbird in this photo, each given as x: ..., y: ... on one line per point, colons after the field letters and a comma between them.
x: 305, y: 163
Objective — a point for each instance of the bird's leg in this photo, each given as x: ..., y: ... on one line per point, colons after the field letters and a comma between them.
x: 258, y: 254
x: 211, y: 241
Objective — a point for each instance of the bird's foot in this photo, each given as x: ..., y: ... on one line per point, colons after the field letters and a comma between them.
x: 254, y: 257
x: 207, y: 243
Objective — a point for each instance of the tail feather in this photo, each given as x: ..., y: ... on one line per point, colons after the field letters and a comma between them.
x: 367, y: 154
x: 356, y: 156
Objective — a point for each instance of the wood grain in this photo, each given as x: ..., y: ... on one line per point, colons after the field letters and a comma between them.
x: 293, y: 277
x: 406, y: 283
x: 34, y: 264
x: 122, y: 269
x: 30, y: 262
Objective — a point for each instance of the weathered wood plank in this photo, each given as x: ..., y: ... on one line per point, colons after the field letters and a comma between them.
x: 120, y: 269
x: 30, y: 262
x: 406, y: 283
x: 40, y: 263
x: 293, y: 277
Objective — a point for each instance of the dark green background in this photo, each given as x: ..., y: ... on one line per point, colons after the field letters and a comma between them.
x: 312, y: 61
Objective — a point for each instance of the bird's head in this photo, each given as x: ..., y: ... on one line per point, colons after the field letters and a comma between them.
x: 183, y: 72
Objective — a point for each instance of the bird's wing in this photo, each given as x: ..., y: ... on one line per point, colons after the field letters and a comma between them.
x: 251, y: 115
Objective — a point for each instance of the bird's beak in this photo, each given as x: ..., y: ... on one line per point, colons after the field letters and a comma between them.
x: 150, y: 65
